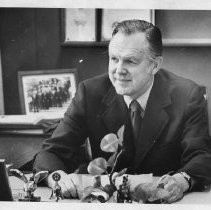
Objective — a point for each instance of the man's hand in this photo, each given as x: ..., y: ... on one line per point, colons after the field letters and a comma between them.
x: 67, y: 186
x: 176, y: 185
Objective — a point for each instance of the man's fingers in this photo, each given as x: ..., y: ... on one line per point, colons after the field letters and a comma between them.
x: 174, y: 189
x: 68, y: 188
x: 170, y: 184
x: 65, y: 192
x: 174, y: 197
x: 163, y: 180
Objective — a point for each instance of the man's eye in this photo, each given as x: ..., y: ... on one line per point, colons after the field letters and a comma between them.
x: 130, y: 61
x: 114, y: 59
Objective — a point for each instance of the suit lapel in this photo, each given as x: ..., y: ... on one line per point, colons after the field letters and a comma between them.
x: 114, y: 111
x: 155, y: 119
x: 114, y: 114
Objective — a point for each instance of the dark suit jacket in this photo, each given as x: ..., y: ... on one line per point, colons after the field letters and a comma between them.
x: 174, y: 134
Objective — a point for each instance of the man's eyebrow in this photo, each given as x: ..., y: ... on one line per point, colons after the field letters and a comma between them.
x: 130, y: 57
x: 134, y: 55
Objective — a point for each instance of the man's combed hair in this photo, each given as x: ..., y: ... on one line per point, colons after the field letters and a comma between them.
x: 153, y: 34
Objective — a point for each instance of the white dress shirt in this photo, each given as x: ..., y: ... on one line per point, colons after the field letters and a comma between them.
x: 142, y: 100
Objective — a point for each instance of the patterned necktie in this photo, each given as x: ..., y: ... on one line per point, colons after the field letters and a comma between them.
x: 136, y: 112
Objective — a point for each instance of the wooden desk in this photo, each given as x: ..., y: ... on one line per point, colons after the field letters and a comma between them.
x: 19, y: 148
x: 45, y: 192
x: 19, y: 142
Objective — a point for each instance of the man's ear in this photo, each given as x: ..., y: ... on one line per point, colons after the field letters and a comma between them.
x: 157, y: 62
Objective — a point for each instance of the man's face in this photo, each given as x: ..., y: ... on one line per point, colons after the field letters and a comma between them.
x: 129, y: 64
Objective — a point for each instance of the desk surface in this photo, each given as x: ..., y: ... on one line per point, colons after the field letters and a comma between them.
x: 45, y: 192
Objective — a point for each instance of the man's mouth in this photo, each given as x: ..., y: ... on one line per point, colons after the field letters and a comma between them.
x: 122, y: 80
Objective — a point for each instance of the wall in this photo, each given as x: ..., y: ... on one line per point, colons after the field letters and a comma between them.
x: 30, y: 40
x: 191, y: 62
x: 187, y: 28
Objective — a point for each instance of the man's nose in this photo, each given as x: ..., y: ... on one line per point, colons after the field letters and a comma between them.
x: 120, y: 69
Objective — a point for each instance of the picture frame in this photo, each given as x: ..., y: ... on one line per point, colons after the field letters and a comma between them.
x: 79, y: 26
x: 47, y: 92
x: 110, y: 16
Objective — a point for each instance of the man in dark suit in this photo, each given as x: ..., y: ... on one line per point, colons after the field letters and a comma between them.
x: 172, y: 137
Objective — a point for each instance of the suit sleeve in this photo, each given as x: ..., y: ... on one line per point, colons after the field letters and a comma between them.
x: 62, y: 150
x: 196, y: 142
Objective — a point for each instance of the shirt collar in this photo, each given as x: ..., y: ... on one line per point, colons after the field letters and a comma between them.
x: 142, y: 100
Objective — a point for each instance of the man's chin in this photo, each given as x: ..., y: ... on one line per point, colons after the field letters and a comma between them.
x: 122, y: 91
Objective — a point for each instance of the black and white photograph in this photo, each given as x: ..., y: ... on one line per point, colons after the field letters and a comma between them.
x: 105, y: 104
x: 47, y: 92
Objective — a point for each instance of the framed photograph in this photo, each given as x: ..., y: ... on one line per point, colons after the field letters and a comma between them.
x: 78, y: 26
x: 47, y: 92
x: 110, y: 16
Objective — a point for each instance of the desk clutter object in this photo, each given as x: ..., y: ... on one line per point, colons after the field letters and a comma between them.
x: 30, y: 185
x: 141, y: 188
x: 98, y: 193
x: 56, y: 191
x: 124, y: 193
x: 127, y: 191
